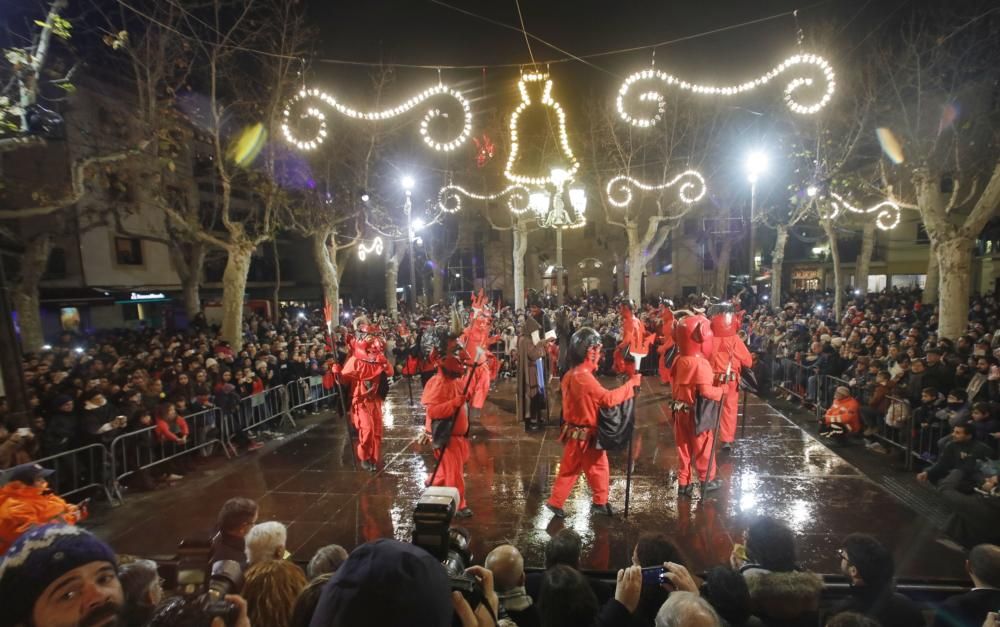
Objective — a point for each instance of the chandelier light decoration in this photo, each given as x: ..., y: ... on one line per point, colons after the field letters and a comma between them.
x: 546, y: 101
x: 450, y: 198
x: 792, y: 99
x: 888, y: 216
x: 374, y: 247
x: 692, y: 188
x: 302, y: 100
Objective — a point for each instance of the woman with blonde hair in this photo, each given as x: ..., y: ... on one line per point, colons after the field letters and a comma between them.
x: 270, y: 590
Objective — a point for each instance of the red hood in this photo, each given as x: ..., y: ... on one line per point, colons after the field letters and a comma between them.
x: 693, y: 335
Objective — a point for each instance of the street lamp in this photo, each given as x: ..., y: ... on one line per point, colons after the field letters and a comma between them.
x: 407, y: 182
x: 755, y: 165
x: 552, y: 213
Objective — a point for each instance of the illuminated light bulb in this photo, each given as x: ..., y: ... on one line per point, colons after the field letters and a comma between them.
x: 375, y: 246
x: 547, y: 100
x: 517, y: 198
x: 539, y: 202
x: 818, y: 62
x: 411, y: 103
x: 691, y: 190
x: 888, y: 213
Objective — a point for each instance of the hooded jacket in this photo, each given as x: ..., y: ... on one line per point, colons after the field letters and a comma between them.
x: 25, y: 506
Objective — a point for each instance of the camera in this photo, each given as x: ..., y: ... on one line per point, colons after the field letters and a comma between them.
x: 433, y: 533
x: 202, y: 589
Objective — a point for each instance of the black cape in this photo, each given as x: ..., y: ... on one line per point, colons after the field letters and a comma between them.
x: 615, y: 425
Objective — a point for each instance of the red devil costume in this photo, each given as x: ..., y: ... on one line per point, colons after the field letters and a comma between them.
x: 729, y: 356
x: 447, y: 426
x: 367, y: 369
x: 476, y: 336
x: 635, y: 340
x: 692, y: 379
x: 582, y: 397
x: 666, y: 341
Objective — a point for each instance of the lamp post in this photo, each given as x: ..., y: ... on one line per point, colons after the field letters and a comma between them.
x: 756, y: 164
x: 552, y: 213
x: 407, y: 182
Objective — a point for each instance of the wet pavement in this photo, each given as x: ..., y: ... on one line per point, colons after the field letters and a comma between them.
x: 309, y: 484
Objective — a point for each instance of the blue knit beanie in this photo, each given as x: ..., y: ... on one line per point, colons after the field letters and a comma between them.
x: 38, y: 558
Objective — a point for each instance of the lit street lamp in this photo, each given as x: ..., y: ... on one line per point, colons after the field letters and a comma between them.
x: 755, y: 165
x: 407, y: 182
x: 552, y: 213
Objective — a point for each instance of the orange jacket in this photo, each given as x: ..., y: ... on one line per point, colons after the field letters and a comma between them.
x: 845, y: 411
x: 25, y: 506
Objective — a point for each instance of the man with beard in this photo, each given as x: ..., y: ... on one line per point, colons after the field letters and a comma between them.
x: 984, y: 386
x: 446, y: 426
x: 583, y: 397
x: 60, y: 576
x: 531, y: 400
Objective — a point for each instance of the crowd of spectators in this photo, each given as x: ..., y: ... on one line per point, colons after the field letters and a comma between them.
x: 62, y: 575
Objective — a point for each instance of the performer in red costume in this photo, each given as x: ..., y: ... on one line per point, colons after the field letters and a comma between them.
x: 367, y: 369
x: 635, y: 339
x: 582, y: 397
x: 447, y: 432
x: 476, y: 336
x: 666, y: 340
x: 729, y: 356
x: 692, y: 378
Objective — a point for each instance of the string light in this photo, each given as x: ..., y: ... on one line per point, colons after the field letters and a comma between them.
x: 375, y: 246
x: 450, y: 198
x: 789, y: 94
x: 889, y: 213
x: 693, y: 189
x: 425, y: 124
x: 564, y: 146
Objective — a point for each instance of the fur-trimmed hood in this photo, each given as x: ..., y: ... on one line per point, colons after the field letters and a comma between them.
x: 784, y: 595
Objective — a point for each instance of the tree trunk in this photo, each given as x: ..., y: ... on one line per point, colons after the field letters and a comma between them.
x: 276, y: 298
x: 864, y: 259
x: 933, y: 283
x: 722, y: 267
x: 636, y: 263
x: 190, y: 276
x: 838, y: 285
x: 234, y: 287
x: 955, y: 258
x: 520, y: 248
x: 24, y: 294
x: 326, y: 264
x: 437, y: 284
x: 778, y: 265
x: 391, y: 276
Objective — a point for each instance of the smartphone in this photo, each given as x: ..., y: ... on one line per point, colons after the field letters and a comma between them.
x: 654, y: 575
x: 24, y: 431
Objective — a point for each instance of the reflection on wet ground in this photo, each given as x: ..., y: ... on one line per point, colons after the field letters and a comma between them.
x: 778, y: 469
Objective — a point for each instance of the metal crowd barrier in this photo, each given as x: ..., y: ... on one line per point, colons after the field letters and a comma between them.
x: 138, y: 451
x: 892, y: 427
x: 256, y: 410
x: 77, y: 471
x: 793, y: 377
x: 307, y: 393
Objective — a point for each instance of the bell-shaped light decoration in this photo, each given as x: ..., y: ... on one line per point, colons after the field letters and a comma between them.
x: 539, y: 202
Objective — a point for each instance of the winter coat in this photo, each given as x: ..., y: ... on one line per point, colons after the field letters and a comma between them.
x: 785, y: 598
x: 25, y: 506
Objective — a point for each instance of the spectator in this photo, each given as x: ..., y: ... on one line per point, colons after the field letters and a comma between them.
x: 986, y: 425
x: 60, y: 558
x: 843, y: 417
x: 779, y: 591
x: 62, y: 426
x: 236, y: 518
x: 387, y: 582
x: 100, y: 421
x: 326, y: 561
x: 851, y: 619
x: 27, y: 501
x: 653, y: 550
x: 957, y: 468
x: 143, y: 590
x: 970, y: 609
x: 564, y: 548
x: 687, y: 609
x: 16, y: 448
x: 957, y: 409
x: 266, y: 541
x: 870, y: 568
x: 507, y: 566
x: 567, y: 600
x: 305, y: 605
x: 727, y: 592
x: 270, y: 589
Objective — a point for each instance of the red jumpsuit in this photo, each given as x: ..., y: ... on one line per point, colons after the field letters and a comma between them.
x: 582, y: 396
x: 692, y: 377
x: 442, y: 397
x: 363, y: 369
x: 475, y: 336
x: 729, y: 356
x: 634, y: 340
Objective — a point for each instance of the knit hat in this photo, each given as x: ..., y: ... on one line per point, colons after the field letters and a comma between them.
x: 210, y: 362
x: 385, y: 583
x: 38, y: 558
x: 28, y: 473
x: 61, y: 400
